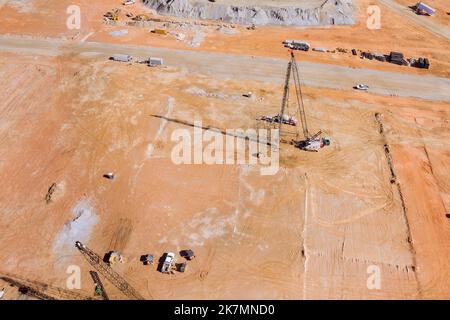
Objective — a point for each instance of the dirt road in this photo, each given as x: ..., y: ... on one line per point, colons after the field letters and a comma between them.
x: 249, y: 68
x: 422, y: 21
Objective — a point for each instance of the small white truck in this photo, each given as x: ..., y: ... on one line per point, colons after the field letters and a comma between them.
x: 168, y: 262
x: 128, y: 2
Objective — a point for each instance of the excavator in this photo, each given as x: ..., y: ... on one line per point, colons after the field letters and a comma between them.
x: 310, y: 142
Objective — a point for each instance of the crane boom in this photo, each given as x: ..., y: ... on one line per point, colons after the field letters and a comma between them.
x: 43, y: 291
x: 285, y: 94
x: 108, y: 272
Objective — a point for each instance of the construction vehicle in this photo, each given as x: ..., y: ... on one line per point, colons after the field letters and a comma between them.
x: 113, y: 15
x: 99, y: 288
x: 310, y: 142
x: 168, y: 262
x: 361, y: 86
x: 114, y: 257
x: 109, y: 273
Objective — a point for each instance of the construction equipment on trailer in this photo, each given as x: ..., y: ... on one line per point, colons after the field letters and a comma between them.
x: 99, y: 288
x: 310, y: 142
x: 109, y: 273
x: 43, y: 291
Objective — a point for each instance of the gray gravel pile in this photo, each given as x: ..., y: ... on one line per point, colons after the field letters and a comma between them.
x: 326, y: 12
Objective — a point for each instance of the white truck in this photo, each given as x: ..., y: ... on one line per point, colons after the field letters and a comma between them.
x: 168, y: 262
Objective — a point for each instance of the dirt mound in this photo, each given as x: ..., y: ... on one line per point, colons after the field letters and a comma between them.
x: 310, y: 12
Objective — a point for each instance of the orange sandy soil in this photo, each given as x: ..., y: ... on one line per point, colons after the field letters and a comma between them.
x: 310, y: 231
x: 396, y: 34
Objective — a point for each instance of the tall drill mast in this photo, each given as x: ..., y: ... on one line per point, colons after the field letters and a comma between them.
x: 292, y: 69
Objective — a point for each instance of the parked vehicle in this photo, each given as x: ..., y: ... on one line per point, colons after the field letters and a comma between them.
x: 361, y: 86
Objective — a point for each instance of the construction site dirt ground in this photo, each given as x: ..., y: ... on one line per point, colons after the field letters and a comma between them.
x: 378, y: 197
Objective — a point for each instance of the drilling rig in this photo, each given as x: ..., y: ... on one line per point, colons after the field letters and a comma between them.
x: 310, y: 142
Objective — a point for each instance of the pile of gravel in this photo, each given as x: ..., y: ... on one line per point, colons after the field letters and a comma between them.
x: 320, y: 12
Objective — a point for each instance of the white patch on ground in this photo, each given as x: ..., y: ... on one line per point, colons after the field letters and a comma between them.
x: 22, y: 6
x: 197, y: 39
x: 209, y: 225
x: 78, y: 229
x: 256, y: 196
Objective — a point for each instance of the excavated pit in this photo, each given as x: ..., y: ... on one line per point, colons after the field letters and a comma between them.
x: 261, y: 12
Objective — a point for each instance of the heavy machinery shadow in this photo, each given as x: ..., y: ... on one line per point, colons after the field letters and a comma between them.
x: 221, y: 131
